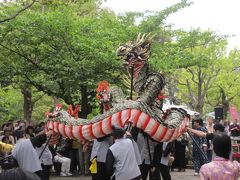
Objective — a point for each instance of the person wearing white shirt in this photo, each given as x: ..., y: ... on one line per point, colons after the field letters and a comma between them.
x: 25, y: 154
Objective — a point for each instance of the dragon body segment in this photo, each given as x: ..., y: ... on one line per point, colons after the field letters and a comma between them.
x: 84, y: 130
x: 142, y: 113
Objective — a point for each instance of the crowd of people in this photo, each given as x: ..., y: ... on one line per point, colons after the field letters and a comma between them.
x: 213, y: 160
x: 120, y: 155
x: 26, y: 143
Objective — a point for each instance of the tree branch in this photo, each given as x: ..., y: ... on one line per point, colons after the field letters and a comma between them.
x: 18, y: 12
x: 41, y: 87
x: 25, y: 57
x: 190, y: 92
x: 208, y: 83
x: 38, y: 98
x: 208, y: 101
x: 193, y: 76
x: 232, y: 97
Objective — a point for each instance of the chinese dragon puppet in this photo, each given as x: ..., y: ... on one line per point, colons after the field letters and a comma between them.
x: 143, y: 112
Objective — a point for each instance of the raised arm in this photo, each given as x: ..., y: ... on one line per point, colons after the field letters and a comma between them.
x: 197, y: 132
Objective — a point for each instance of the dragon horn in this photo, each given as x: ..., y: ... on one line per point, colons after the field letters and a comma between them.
x: 139, y: 40
x: 138, y: 37
x: 148, y: 39
x: 142, y: 39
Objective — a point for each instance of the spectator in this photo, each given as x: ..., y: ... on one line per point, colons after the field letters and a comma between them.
x: 221, y: 167
x: 180, y: 153
x: 198, y: 158
x: 3, y: 126
x: 30, y: 132
x: 234, y: 129
x: 65, y: 162
x: 225, y: 123
x: 74, y: 156
x: 18, y: 174
x: 210, y: 124
x: 41, y: 125
x: 210, y: 129
x: 8, y: 133
x: 16, y: 125
x: 86, y: 150
x: 6, y: 140
x: 121, y: 161
x: 22, y: 125
x: 10, y: 125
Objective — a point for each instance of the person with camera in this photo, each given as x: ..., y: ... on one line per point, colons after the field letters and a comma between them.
x: 25, y: 154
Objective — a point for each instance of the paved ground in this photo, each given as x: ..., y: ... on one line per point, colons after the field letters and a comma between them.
x: 188, y: 175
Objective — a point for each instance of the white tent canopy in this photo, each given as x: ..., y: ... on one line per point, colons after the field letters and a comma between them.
x: 167, y: 105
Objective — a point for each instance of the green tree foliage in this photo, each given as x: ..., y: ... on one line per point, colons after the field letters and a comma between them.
x: 226, y: 88
x: 62, y: 53
x: 207, y: 49
x: 64, y: 48
x: 11, y: 102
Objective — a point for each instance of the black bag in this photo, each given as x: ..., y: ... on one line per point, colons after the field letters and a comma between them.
x: 8, y: 162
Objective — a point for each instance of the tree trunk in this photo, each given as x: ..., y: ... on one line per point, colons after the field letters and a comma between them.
x: 225, y: 103
x: 27, y: 104
x: 85, y: 106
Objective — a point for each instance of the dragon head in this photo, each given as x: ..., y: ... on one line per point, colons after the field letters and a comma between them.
x: 104, y: 96
x: 138, y: 51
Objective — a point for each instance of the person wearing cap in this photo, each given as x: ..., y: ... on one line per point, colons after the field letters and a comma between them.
x: 121, y: 162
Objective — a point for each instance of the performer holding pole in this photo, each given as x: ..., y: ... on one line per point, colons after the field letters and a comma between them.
x: 132, y: 71
x: 199, y: 144
x: 200, y: 149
